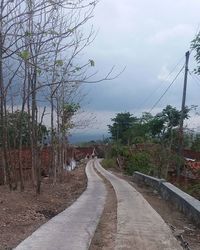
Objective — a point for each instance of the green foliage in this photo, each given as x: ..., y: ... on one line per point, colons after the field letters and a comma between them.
x: 195, y: 45
x: 164, y: 122
x: 163, y: 127
x: 78, y: 68
x: 69, y: 109
x: 164, y: 159
x: 27, y: 33
x: 42, y: 131
x: 16, y: 122
x: 118, y: 149
x: 121, y: 127
x: 109, y: 163
x: 13, y: 127
x: 24, y: 55
x: 127, y: 129
x: 146, y: 117
x: 59, y: 63
x: 39, y: 71
x: 156, y: 126
x: 160, y: 130
x: 139, y: 162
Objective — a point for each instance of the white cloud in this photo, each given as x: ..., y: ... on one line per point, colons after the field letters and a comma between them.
x: 193, y: 122
x: 170, y: 34
x: 164, y: 73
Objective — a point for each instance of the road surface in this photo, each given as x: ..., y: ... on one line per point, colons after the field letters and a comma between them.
x: 139, y: 226
x: 74, y: 228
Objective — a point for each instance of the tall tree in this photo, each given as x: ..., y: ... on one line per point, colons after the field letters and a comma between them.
x: 121, y: 126
x: 38, y: 40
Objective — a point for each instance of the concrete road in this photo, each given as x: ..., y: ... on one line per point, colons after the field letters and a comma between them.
x: 74, y: 228
x: 139, y: 226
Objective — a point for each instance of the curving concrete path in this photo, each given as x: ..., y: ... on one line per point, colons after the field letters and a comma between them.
x: 139, y: 226
x: 74, y: 228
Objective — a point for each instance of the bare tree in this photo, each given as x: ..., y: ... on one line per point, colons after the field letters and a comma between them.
x: 40, y: 46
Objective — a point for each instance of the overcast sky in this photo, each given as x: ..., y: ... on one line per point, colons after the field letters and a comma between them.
x: 149, y: 37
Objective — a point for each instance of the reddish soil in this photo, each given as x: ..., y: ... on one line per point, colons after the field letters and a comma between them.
x: 22, y: 213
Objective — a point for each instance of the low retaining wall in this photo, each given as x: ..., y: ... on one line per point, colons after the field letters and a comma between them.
x: 149, y: 180
x: 183, y: 201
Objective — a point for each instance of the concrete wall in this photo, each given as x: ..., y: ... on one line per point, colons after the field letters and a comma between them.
x: 183, y: 201
x: 148, y: 180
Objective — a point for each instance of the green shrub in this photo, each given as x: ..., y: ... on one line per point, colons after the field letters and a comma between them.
x: 109, y: 163
x: 119, y: 150
x: 139, y: 162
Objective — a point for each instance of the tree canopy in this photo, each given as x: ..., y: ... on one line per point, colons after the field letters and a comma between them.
x: 127, y: 128
x: 121, y: 127
x: 17, y: 120
x: 196, y: 46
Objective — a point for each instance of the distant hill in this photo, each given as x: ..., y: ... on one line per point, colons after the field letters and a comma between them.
x: 78, y: 138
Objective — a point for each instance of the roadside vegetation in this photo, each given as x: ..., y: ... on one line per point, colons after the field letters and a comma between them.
x: 153, y: 144
x: 150, y: 144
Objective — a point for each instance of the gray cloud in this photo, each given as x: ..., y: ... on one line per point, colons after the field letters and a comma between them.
x: 149, y: 38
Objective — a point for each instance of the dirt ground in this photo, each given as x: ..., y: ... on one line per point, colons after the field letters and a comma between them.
x: 22, y: 213
x: 104, y: 238
x: 183, y: 229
